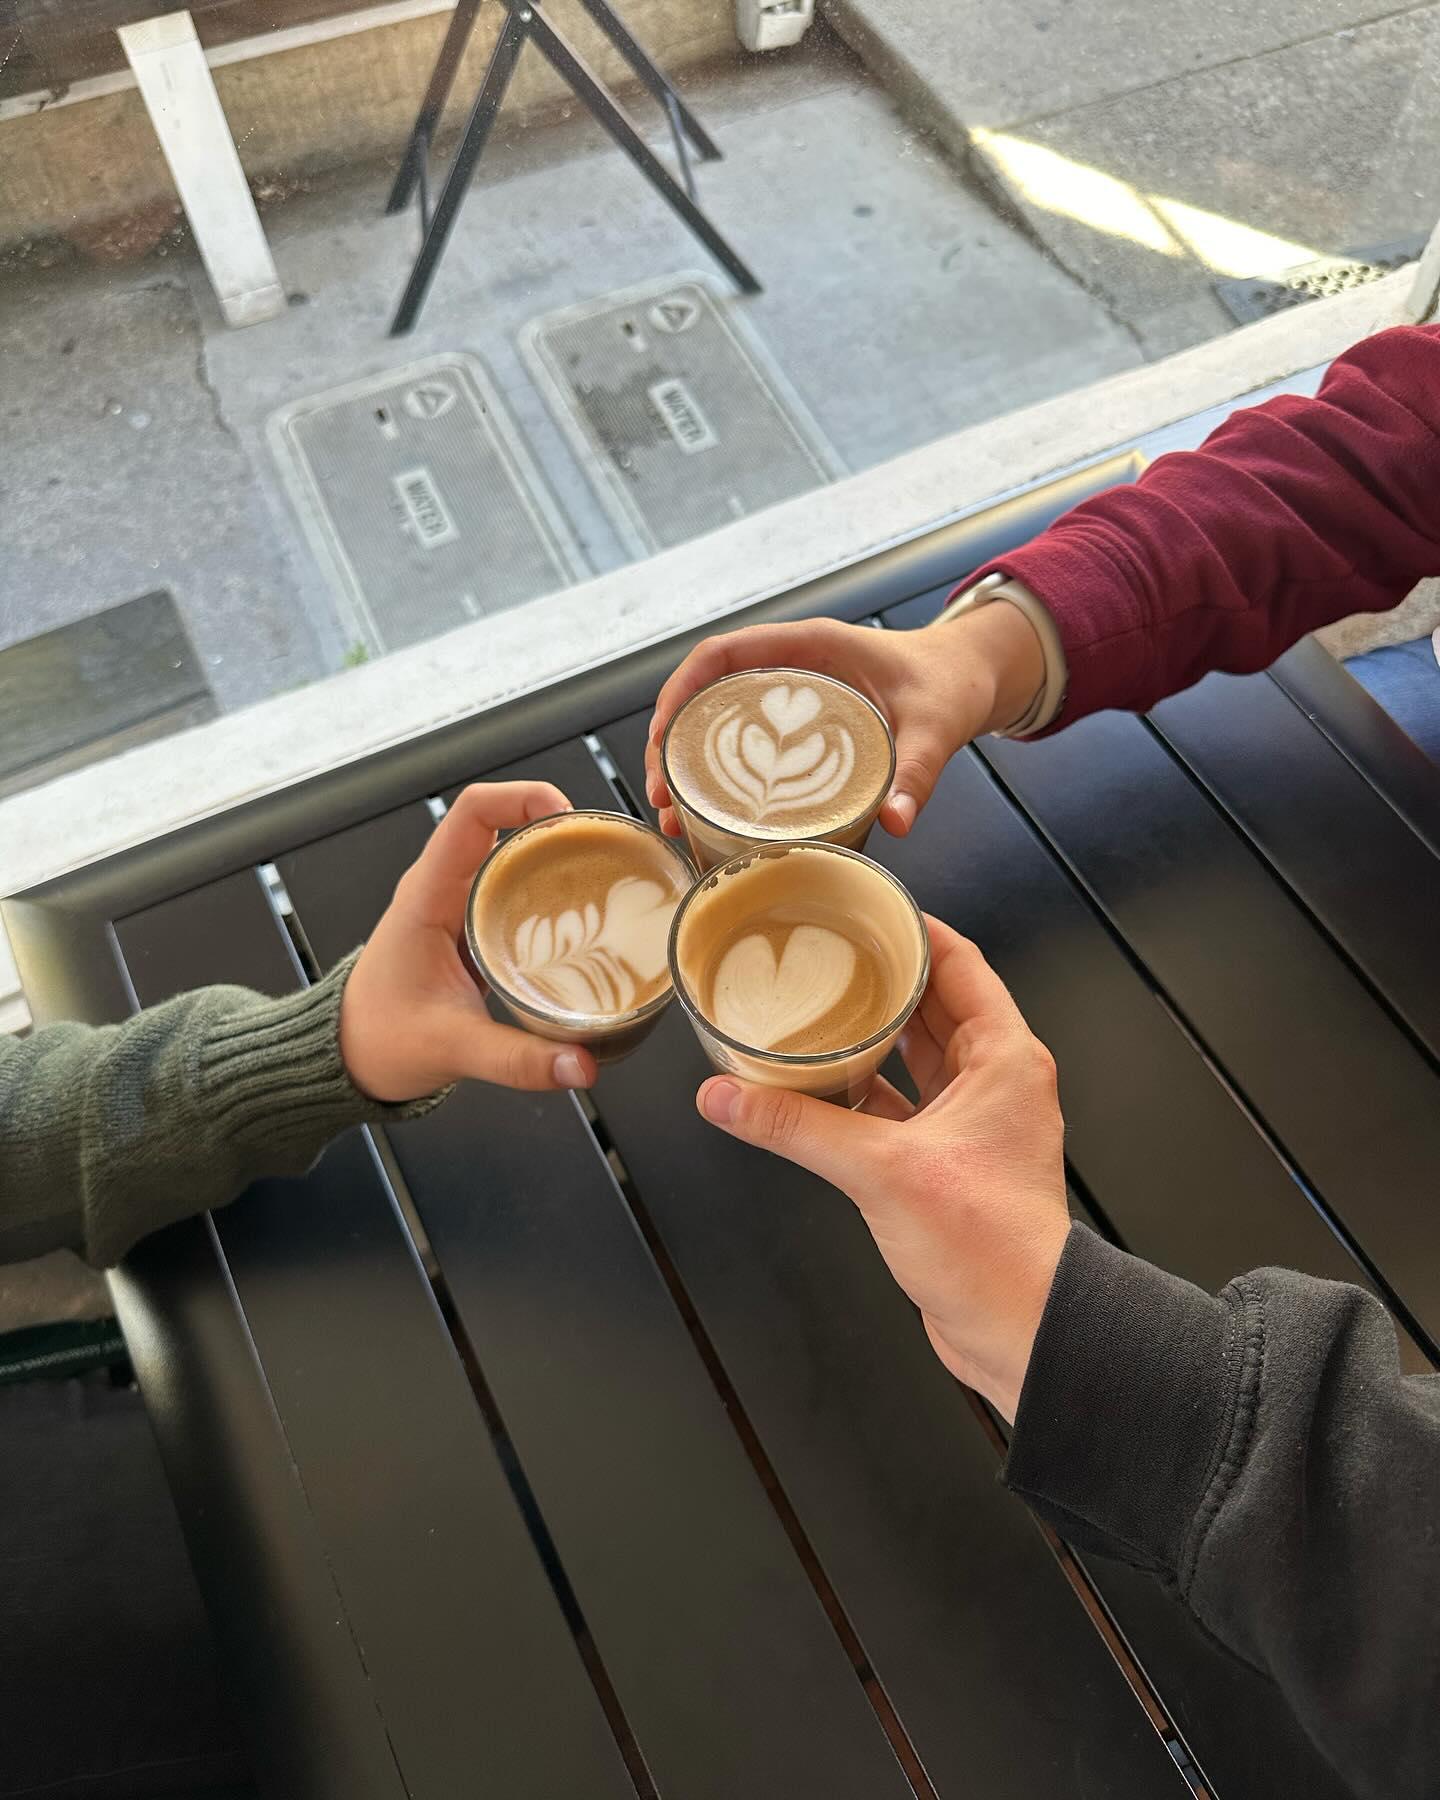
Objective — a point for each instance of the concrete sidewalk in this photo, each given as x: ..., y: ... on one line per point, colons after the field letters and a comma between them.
x: 896, y: 303
x: 1153, y: 150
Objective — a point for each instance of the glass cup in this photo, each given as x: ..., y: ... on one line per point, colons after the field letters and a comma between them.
x: 736, y: 955
x: 575, y: 966
x: 770, y: 755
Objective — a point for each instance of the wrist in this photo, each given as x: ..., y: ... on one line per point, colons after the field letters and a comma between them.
x: 366, y: 1054
x: 1003, y: 649
x: 995, y: 1358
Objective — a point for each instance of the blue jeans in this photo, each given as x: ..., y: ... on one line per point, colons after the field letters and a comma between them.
x: 1405, y: 679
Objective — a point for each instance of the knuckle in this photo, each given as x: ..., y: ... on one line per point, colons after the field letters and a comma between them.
x: 516, y: 1065
x: 1040, y: 1063
x: 912, y: 770
x: 1030, y: 1070
x: 774, y: 1117
x: 706, y: 650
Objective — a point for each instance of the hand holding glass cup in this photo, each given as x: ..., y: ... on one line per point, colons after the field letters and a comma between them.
x: 799, y: 965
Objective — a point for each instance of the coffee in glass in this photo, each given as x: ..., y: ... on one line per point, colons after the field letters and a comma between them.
x: 775, y: 754
x: 798, y: 965
x: 568, y: 924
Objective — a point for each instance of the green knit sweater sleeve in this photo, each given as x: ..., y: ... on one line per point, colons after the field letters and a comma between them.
x: 109, y: 1132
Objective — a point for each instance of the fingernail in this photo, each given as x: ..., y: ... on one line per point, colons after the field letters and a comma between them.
x: 721, y: 1099
x: 904, y: 808
x: 569, y: 1070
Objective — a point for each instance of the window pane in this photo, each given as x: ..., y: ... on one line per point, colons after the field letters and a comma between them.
x: 225, y: 477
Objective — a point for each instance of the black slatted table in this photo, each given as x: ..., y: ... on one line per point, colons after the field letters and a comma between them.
x: 550, y: 1447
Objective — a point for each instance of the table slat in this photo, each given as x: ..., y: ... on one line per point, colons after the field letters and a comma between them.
x: 284, y: 1642
x: 1349, y: 856
x: 470, y: 1664
x: 1364, y: 733
x: 1354, y: 1102
x: 724, y: 1664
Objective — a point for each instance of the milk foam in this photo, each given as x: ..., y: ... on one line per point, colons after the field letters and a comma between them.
x: 799, y: 951
x: 573, y: 916
x: 779, y: 751
x: 762, y: 1001
x: 599, y: 958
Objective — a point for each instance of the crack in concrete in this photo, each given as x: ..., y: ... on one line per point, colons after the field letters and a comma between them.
x: 981, y: 179
x: 172, y: 285
x: 217, y: 410
x: 948, y: 136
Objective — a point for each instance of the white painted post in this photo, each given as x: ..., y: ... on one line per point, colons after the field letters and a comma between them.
x: 1420, y: 303
x: 179, y: 94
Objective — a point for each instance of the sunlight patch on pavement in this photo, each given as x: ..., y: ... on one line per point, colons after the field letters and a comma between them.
x: 1108, y: 204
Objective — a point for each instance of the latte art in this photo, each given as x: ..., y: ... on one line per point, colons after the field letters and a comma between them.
x: 598, y: 958
x: 798, y: 964
x: 762, y: 1002
x: 768, y: 767
x: 774, y: 754
x: 569, y: 925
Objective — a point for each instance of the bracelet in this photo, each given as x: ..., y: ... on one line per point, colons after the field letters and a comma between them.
x: 1050, y: 696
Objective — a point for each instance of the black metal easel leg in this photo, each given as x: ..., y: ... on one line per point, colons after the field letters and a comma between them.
x: 442, y: 78
x: 457, y: 180
x: 682, y: 152
x: 655, y: 79
x: 568, y: 64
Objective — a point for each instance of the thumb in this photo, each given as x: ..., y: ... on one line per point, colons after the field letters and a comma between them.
x: 485, y: 1050
x: 830, y: 1141
x: 920, y: 758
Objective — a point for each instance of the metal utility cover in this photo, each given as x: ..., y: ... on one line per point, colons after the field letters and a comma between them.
x: 1258, y: 297
x: 677, y: 412
x: 421, y: 501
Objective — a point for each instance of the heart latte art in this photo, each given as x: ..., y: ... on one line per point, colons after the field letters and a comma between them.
x: 600, y: 957
x: 796, y: 757
x: 761, y: 1001
x: 798, y: 963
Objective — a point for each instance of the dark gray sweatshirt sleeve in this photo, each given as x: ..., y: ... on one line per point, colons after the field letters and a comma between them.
x: 109, y: 1132
x: 1263, y: 1455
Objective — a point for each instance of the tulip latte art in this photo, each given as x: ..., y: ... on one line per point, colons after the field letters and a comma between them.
x: 572, y: 916
x: 779, y: 753
x: 605, y: 956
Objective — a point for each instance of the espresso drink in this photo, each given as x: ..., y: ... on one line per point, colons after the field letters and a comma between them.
x: 776, y: 754
x: 569, y: 920
x: 798, y: 965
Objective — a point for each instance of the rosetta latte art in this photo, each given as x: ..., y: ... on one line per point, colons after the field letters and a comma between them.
x: 598, y: 959
x: 772, y: 769
x: 761, y: 1002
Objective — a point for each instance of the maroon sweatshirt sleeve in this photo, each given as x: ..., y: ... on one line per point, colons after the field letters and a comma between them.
x: 1292, y: 514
